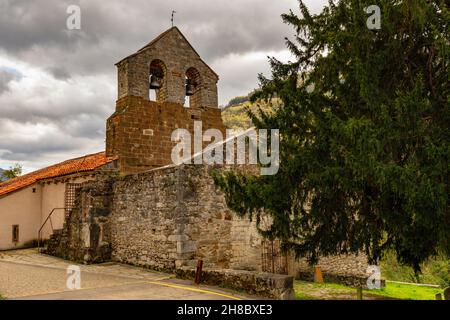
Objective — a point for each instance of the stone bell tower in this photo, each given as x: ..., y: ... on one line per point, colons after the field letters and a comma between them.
x: 162, y: 87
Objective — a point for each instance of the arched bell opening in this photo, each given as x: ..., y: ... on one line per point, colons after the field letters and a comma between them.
x: 157, y: 81
x: 193, y: 88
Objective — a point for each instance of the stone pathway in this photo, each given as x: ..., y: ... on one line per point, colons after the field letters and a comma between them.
x: 26, y: 274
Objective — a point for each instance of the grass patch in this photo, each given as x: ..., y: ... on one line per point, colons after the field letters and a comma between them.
x: 406, y: 292
x: 303, y: 296
x: 2, y: 297
x: 434, y: 271
x: 327, y: 291
x: 330, y: 291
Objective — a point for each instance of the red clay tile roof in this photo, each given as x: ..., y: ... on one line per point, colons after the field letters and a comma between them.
x: 82, y: 164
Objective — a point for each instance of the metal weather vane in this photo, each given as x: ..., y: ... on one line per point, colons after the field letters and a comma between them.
x: 173, y: 13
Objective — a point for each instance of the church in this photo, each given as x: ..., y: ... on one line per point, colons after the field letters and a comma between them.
x: 131, y: 203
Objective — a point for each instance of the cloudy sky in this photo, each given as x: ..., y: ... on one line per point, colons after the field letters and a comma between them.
x: 58, y: 86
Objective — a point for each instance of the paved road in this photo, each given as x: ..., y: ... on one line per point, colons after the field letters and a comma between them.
x: 26, y: 274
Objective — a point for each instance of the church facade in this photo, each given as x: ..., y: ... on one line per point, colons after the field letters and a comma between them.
x: 151, y: 212
x: 163, y: 87
x: 140, y: 208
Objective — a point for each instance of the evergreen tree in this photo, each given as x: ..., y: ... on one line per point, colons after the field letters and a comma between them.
x: 365, y: 134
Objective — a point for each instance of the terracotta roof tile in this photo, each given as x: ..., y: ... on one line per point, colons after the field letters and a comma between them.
x: 82, y: 164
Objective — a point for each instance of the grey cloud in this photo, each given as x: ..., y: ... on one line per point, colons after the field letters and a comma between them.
x: 81, y: 62
x: 19, y: 149
x: 85, y: 126
x: 24, y: 24
x: 30, y: 151
x: 25, y: 148
x: 36, y: 30
x: 5, y: 79
x: 59, y: 73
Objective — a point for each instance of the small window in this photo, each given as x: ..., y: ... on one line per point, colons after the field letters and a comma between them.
x: 15, y: 233
x: 34, y: 190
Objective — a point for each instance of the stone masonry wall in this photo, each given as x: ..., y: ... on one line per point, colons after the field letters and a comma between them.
x: 140, y: 131
x: 340, y: 264
x: 269, y: 285
x: 162, y: 219
x: 346, y: 269
x: 177, y: 55
x: 171, y: 217
x: 85, y: 236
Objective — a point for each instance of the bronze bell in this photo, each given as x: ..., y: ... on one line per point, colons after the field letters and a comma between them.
x: 189, y: 88
x: 154, y: 82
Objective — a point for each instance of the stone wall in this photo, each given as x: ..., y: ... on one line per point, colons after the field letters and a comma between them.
x: 140, y: 131
x: 269, y: 285
x: 169, y: 218
x: 172, y: 217
x: 162, y: 219
x: 346, y: 269
x: 350, y: 264
x: 85, y: 236
x: 178, y: 57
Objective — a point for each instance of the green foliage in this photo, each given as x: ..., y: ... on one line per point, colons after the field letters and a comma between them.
x: 12, y: 172
x: 236, y: 117
x: 406, y: 292
x: 310, y: 291
x: 365, y: 135
x: 434, y: 271
x: 238, y: 100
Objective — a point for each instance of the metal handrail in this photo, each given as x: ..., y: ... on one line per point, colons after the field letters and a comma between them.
x: 43, y: 225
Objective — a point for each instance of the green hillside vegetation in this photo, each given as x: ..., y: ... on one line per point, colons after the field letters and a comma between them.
x: 434, y: 271
x: 238, y: 100
x: 235, y: 116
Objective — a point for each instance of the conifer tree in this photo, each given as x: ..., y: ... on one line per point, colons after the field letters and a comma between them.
x: 365, y: 134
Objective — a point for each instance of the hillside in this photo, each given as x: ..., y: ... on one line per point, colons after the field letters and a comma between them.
x: 235, y: 116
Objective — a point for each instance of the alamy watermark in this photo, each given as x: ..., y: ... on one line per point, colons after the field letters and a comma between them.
x: 374, y: 280
x: 73, y: 21
x: 263, y: 147
x: 374, y: 20
x: 73, y: 281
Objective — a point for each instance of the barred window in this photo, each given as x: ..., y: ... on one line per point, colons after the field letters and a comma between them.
x: 70, y: 196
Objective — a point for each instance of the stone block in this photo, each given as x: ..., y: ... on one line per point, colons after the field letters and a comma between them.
x: 178, y: 237
x: 186, y: 246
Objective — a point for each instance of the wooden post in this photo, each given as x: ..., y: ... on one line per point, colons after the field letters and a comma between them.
x: 318, y: 278
x: 273, y: 257
x: 447, y: 293
x: 359, y: 293
x: 198, y: 272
